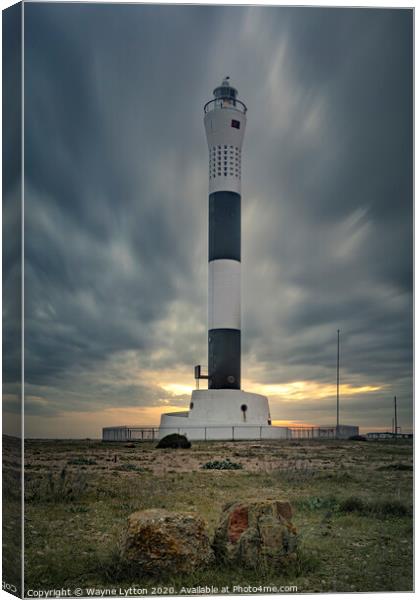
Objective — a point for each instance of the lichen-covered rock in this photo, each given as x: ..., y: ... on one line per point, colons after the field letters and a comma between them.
x: 160, y: 541
x: 255, y: 533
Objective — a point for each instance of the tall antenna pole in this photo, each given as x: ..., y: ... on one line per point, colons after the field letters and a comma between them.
x: 395, y: 416
x: 338, y: 379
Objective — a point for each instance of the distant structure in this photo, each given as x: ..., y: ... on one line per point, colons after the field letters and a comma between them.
x: 395, y: 416
x: 223, y: 406
x: 388, y: 435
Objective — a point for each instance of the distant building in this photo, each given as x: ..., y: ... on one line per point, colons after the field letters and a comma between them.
x: 388, y: 435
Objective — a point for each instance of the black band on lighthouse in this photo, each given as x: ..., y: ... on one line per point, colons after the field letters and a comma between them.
x: 224, y: 359
x: 224, y: 226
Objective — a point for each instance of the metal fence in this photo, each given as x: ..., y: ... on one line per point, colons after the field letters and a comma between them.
x: 309, y: 433
x: 227, y: 433
x: 127, y: 434
x: 222, y: 433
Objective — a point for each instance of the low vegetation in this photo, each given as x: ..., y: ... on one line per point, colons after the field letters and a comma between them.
x: 396, y: 467
x: 222, y: 465
x: 64, y: 486
x: 81, y: 461
x: 353, y: 509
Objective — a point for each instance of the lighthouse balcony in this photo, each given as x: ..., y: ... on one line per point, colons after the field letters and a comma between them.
x: 218, y: 103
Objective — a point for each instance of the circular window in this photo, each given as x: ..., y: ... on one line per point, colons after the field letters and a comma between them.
x: 231, y: 379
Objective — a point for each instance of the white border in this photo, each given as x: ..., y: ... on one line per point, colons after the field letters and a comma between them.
x: 309, y: 3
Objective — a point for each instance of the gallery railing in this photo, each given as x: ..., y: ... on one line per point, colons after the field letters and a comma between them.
x: 217, y: 103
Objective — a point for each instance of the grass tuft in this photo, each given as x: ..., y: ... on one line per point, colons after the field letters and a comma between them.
x: 133, y: 468
x: 396, y: 467
x: 353, y: 504
x: 82, y: 461
x: 62, y: 487
x: 222, y: 465
x: 394, y: 508
x: 381, y: 508
x: 318, y: 503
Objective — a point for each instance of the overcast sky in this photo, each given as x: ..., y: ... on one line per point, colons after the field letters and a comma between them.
x: 116, y: 209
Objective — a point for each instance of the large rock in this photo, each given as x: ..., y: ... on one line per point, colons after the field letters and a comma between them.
x: 255, y: 534
x: 174, y: 440
x: 159, y: 541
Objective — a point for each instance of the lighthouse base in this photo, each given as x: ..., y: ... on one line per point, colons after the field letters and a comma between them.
x: 223, y: 415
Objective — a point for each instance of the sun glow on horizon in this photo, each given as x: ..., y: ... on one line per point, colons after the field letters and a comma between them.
x: 178, y: 389
x: 290, y: 423
x: 308, y: 390
x: 292, y: 390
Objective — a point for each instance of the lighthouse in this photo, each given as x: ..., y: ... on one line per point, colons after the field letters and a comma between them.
x: 224, y: 411
x: 224, y: 121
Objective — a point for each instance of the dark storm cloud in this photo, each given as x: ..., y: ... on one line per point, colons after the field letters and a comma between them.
x: 12, y: 219
x: 104, y: 258
x: 343, y: 195
x: 116, y: 186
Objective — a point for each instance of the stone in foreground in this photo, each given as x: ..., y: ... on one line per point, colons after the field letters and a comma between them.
x: 255, y: 534
x: 159, y: 541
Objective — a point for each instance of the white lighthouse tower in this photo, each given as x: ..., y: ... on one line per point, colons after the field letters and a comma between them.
x: 224, y: 410
x: 225, y: 121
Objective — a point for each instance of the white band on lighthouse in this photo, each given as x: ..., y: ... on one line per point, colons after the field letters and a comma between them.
x: 224, y: 294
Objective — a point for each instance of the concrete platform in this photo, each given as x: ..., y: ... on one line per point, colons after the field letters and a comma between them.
x: 223, y: 415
